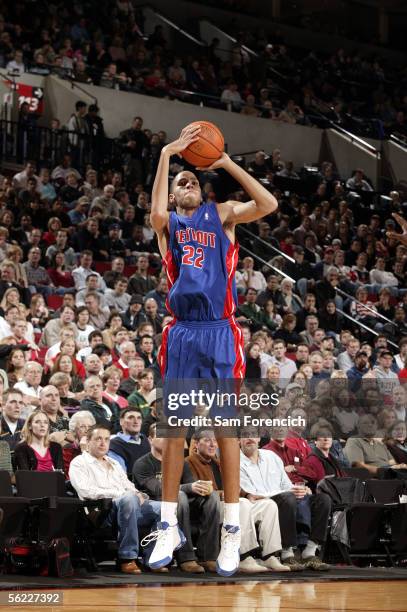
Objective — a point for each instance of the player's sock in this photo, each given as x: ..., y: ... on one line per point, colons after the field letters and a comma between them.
x: 169, y: 512
x: 231, y: 514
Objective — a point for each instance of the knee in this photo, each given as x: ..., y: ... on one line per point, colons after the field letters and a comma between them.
x: 324, y: 501
x: 212, y: 502
x: 129, y: 502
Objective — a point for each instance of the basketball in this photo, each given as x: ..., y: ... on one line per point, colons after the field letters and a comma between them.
x: 208, y: 148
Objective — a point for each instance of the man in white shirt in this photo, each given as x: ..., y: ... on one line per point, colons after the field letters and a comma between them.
x: 81, y: 273
x: 249, y: 277
x: 30, y: 387
x: 287, y: 366
x: 401, y: 358
x: 94, y: 475
x: 262, y: 476
x: 16, y: 66
x: 20, y: 179
x: 92, y: 284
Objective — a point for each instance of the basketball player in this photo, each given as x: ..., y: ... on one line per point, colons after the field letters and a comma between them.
x: 197, y: 242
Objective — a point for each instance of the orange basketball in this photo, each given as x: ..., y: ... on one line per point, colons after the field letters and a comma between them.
x: 208, y: 148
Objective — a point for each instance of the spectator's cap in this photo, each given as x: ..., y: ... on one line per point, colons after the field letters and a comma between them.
x: 298, y: 249
x: 136, y: 299
x: 328, y: 249
x: 390, y: 223
x: 385, y: 353
x: 114, y: 226
x: 360, y: 353
x: 337, y: 241
x: 154, y: 395
x: 293, y: 386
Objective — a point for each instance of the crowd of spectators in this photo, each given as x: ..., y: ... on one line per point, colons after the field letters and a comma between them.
x: 105, y: 44
x: 83, y: 305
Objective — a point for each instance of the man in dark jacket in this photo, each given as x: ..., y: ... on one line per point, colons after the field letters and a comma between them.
x: 105, y: 412
x: 11, y: 424
x: 134, y: 315
x: 129, y: 444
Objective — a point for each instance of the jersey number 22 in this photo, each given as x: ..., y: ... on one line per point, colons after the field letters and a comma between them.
x: 193, y: 256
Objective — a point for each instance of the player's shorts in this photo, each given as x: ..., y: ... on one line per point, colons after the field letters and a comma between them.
x: 201, y: 357
x: 202, y: 349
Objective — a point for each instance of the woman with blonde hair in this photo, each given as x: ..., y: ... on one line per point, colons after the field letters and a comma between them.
x: 15, y: 256
x: 11, y: 297
x: 39, y: 313
x: 36, y: 452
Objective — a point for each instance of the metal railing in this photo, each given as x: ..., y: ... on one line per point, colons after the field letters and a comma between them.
x: 22, y: 142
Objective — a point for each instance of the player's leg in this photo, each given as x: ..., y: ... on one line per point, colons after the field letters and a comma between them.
x: 169, y: 536
x: 229, y: 556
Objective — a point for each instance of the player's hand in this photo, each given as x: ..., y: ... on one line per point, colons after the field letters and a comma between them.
x: 403, y: 224
x: 220, y: 163
x: 188, y: 135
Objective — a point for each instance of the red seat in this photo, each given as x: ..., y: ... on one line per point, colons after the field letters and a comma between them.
x: 54, y: 301
x: 241, y: 299
x: 102, y: 266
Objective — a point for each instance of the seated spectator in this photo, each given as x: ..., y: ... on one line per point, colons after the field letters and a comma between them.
x: 287, y: 332
x: 250, y: 278
x: 385, y: 419
x: 396, y: 441
x: 111, y: 378
x: 129, y: 384
x: 287, y: 366
x: 79, y: 425
x: 358, y: 371
x: 129, y: 444
x: 139, y: 397
x: 97, y: 315
x: 37, y: 277
x: 249, y: 311
x: 93, y: 285
x: 290, y: 302
x: 262, y: 474
x: 346, y: 359
x: 249, y: 108
x: 105, y: 412
x: 52, y: 330
x: 30, y: 386
x: 11, y: 423
x: 253, y: 369
x: 292, y: 113
x: 141, y: 282
x: 94, y: 475
x: 15, y: 365
x: 81, y: 273
x: 259, y: 167
x: 146, y: 350
x: 127, y: 352
x: 366, y: 451
x: 321, y: 462
x: 271, y: 292
x: 358, y: 181
x: 118, y: 299
x: 60, y: 276
x: 231, y: 97
x: 36, y: 452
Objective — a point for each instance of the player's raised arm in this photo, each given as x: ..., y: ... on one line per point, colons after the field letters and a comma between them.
x: 262, y: 203
x: 159, y: 197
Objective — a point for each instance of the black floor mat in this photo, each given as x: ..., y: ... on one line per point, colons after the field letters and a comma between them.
x: 107, y: 577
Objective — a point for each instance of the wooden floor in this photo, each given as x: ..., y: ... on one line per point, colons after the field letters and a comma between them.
x: 244, y: 597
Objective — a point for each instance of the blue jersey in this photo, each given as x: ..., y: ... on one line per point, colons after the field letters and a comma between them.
x: 201, y: 263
